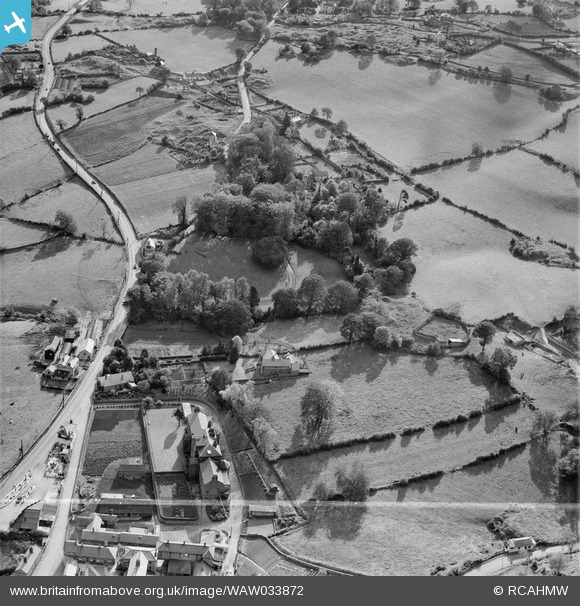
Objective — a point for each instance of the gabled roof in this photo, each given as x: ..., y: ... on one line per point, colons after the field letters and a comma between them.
x: 210, y: 451
x: 210, y: 471
x: 119, y: 378
x: 87, y: 345
x: 197, y: 424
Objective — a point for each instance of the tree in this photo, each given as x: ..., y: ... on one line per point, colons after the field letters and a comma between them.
x: 232, y: 317
x: 270, y: 252
x: 80, y: 113
x: 476, y: 149
x: 327, y: 112
x: 61, y: 124
x: 382, y: 337
x: 501, y: 362
x: 181, y: 210
x: 556, y: 562
x: 285, y: 303
x: 264, y: 434
x: 334, y: 237
x: 317, y: 405
x: 139, y: 90
x: 340, y: 128
x: 240, y: 54
x: 351, y: 327
x: 571, y: 321
x: 371, y: 41
x: 314, y: 113
x: 388, y: 280
x: 311, y: 294
x: 179, y: 415
x: 506, y: 74
x: 239, y: 396
x: 485, y: 332
x: 568, y: 465
x: 219, y: 379
x: 254, y: 297
x: 341, y: 297
x: 348, y: 202
x: 65, y: 222
x: 354, y: 485
x: 544, y: 423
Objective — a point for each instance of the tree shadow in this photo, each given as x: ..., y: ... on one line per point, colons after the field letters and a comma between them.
x: 495, y: 418
x: 543, y: 461
x: 502, y: 92
x: 52, y: 248
x: 431, y: 365
x: 474, y: 164
x: 418, y: 487
x: 349, y: 362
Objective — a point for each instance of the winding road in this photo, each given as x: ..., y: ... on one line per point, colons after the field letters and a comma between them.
x: 77, y: 406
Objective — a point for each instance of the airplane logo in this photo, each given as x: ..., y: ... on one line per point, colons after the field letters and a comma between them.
x: 17, y: 23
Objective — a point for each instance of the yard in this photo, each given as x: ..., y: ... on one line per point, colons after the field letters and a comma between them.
x: 81, y: 274
x: 462, y: 260
x: 562, y: 143
x: 88, y: 212
x: 424, y: 115
x: 114, y: 434
x: 25, y: 409
x: 381, y: 393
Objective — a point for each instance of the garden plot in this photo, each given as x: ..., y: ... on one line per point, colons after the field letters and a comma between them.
x: 105, y: 99
x: 219, y: 257
x: 121, y: 131
x: 381, y: 393
x: 79, y: 273
x: 16, y: 98
x: 186, y: 49
x: 521, y: 190
x: 562, y: 142
x: 412, y: 114
x: 23, y: 151
x: 114, y: 434
x: 154, y: 7
x: 464, y: 260
x: 25, y: 408
x: 520, y: 62
x: 60, y: 48
x: 88, y: 212
x: 15, y: 235
x: 149, y: 201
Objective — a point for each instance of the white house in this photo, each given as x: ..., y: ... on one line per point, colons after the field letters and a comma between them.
x: 521, y: 545
x: 86, y: 350
x: 327, y: 8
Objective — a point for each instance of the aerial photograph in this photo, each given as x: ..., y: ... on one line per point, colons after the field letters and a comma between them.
x: 289, y: 288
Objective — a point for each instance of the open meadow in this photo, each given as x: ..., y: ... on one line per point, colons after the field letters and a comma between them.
x: 25, y: 409
x: 16, y: 98
x: 23, y: 151
x: 521, y: 190
x: 528, y: 24
x: 115, y: 134
x: 40, y: 25
x: 154, y: 7
x: 79, y: 273
x: 464, y: 260
x: 14, y: 234
x: 89, y: 213
x: 424, y: 115
x: 562, y: 143
x: 186, y: 49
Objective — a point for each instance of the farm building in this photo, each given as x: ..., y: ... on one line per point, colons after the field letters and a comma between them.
x: 181, y: 557
x: 86, y: 350
x: 137, y: 537
x: 149, y: 247
x: 51, y: 351
x: 95, y: 554
x: 64, y: 370
x: 116, y: 381
x: 520, y: 545
x: 263, y: 511
x: 272, y: 364
x: 457, y: 342
x: 514, y: 338
x: 123, y: 506
x: 327, y: 8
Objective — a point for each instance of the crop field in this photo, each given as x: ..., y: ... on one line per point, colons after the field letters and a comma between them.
x: 464, y: 260
x: 562, y: 143
x: 17, y: 98
x: 105, y: 100
x: 219, y: 257
x: 519, y: 189
x: 148, y: 161
x: 149, y: 201
x: 114, y: 434
x: 89, y: 213
x: 25, y: 408
x: 76, y: 44
x: 154, y: 7
x: 186, y: 49
x: 81, y: 274
x: 121, y: 131
x: 424, y: 115
x: 381, y: 393
x: 521, y: 63
x: 13, y: 234
x: 23, y: 151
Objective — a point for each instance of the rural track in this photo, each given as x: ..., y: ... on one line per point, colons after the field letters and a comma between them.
x: 78, y: 404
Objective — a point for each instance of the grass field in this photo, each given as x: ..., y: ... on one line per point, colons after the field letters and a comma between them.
x: 13, y: 234
x: 562, y: 143
x: 186, y: 49
x: 381, y: 393
x: 530, y: 26
x: 17, y: 98
x: 60, y: 48
x: 153, y: 7
x: 121, y: 131
x: 149, y: 201
x: 220, y: 257
x: 114, y: 434
x: 148, y: 161
x: 520, y: 63
x: 24, y: 152
x: 81, y: 274
x: 25, y: 408
x: 463, y: 260
x: 519, y: 189
x: 104, y: 100
x: 424, y: 115
x: 89, y: 213
x: 40, y: 25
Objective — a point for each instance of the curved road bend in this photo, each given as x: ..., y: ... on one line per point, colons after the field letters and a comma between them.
x: 78, y: 403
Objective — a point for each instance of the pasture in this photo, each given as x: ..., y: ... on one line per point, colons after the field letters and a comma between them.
x: 25, y: 408
x: 186, y: 49
x: 528, y: 24
x: 23, y: 151
x: 81, y: 274
x: 231, y: 257
x: 105, y: 99
x: 381, y: 393
x: 121, y: 131
x: 40, y: 25
x: 424, y: 115
x: 520, y: 62
x: 14, y: 234
x: 562, y: 143
x: 16, y: 98
x: 154, y: 7
x: 522, y: 191
x: 89, y: 213
x: 464, y: 260
x: 60, y: 48
x: 149, y: 201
